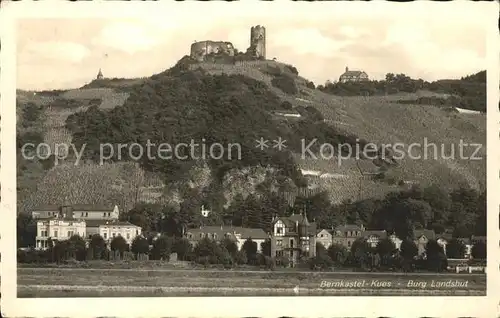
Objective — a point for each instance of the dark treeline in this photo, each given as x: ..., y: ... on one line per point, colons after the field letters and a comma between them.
x: 469, y: 91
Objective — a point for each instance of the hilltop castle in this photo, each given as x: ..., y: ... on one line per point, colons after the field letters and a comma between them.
x: 257, y: 49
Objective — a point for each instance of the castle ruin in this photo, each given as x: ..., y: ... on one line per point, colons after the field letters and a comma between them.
x: 257, y: 42
x: 201, y: 50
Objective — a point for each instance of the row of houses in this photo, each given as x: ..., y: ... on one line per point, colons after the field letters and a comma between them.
x: 62, y: 222
x: 291, y: 236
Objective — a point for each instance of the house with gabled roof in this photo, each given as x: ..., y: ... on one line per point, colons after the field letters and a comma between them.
x: 78, y: 211
x: 324, y: 237
x: 109, y: 229
x: 421, y: 238
x: 353, y: 76
x: 238, y: 234
x: 346, y: 234
x: 293, y: 237
x: 373, y: 237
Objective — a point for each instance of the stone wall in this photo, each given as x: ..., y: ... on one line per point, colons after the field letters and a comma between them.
x: 200, y: 49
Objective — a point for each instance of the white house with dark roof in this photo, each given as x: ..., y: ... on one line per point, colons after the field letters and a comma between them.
x: 57, y: 229
x: 218, y: 233
x: 353, y: 76
x: 78, y: 211
x: 109, y: 229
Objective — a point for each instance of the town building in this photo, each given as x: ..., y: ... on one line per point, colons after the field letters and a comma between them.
x: 109, y: 229
x: 99, y: 75
x: 421, y: 238
x: 324, y: 237
x: 77, y: 211
x: 58, y: 229
x: 238, y: 234
x: 346, y: 234
x: 353, y: 76
x: 374, y: 237
x: 293, y: 236
x: 62, y: 222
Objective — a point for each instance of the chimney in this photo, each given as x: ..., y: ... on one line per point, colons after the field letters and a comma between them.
x: 346, y: 69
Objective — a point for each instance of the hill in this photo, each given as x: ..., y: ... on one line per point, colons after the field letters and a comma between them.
x: 237, y: 103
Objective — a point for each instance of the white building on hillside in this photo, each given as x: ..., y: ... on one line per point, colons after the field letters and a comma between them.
x: 58, y: 229
x: 113, y: 228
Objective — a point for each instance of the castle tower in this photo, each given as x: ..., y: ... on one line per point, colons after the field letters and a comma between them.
x: 258, y: 41
x: 99, y: 75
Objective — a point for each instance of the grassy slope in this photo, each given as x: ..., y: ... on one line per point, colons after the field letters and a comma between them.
x: 375, y: 119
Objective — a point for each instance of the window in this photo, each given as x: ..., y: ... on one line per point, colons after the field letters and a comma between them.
x: 86, y: 214
x: 201, y: 235
x: 279, y: 230
x: 214, y: 236
x: 128, y: 236
x: 81, y: 214
x: 321, y: 235
x: 114, y: 234
x: 105, y: 235
x: 279, y: 253
x: 70, y: 233
x: 104, y: 214
x: 90, y: 235
x: 279, y: 242
x: 55, y: 233
x: 44, y: 233
x: 349, y: 243
x: 291, y: 243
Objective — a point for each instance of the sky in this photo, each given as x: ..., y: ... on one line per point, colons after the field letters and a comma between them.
x: 428, y: 43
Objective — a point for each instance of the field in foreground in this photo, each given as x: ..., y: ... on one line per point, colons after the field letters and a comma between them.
x: 79, y: 282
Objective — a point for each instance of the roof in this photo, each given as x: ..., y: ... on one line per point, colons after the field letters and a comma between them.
x: 290, y: 221
x: 47, y: 208
x: 381, y: 234
x: 464, y: 240
x: 75, y: 207
x: 349, y: 227
x: 97, y: 223
x: 92, y: 207
x: 446, y: 236
x: 244, y: 232
x: 321, y: 230
x: 61, y: 219
x: 429, y: 234
x: 478, y: 238
x: 352, y: 73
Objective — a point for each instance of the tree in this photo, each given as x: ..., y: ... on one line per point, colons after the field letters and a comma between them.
x: 145, y: 215
x: 320, y: 249
x: 183, y: 248
x: 265, y: 247
x: 320, y: 261
x: 26, y: 230
x: 385, y: 249
x: 338, y: 254
x: 77, y: 247
x: 140, y: 246
x: 408, y: 252
x: 119, y: 244
x: 230, y: 246
x: 162, y: 247
x: 241, y: 258
x: 479, y: 250
x: 98, y: 246
x: 436, y: 259
x: 360, y: 253
x: 250, y: 248
x: 455, y: 249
